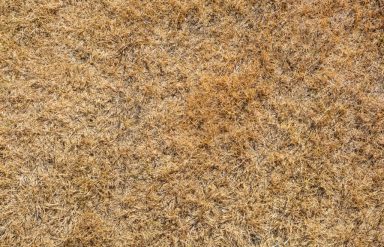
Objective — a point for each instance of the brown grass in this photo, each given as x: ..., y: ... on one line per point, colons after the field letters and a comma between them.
x: 191, y: 123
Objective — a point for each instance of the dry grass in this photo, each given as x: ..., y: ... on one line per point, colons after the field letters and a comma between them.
x: 191, y: 123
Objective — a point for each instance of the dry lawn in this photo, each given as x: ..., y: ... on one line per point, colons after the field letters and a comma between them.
x: 191, y: 123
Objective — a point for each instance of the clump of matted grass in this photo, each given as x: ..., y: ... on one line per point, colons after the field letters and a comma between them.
x: 191, y: 123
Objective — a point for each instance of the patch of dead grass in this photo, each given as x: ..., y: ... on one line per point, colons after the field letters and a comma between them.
x: 191, y: 123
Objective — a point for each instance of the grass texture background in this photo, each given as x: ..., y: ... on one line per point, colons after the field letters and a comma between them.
x: 191, y: 123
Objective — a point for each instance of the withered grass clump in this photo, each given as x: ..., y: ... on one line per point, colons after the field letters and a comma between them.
x: 191, y: 123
